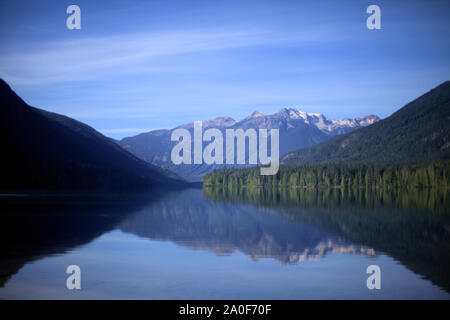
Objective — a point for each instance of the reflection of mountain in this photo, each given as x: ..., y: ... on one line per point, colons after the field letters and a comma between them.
x: 37, y: 226
x: 189, y: 219
x: 413, y: 226
x: 328, y: 247
x: 300, y: 224
x: 34, y: 227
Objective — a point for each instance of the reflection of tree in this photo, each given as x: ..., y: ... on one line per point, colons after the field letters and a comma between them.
x: 437, y: 200
x: 413, y: 226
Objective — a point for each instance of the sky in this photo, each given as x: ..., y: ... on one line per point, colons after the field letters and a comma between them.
x: 136, y: 66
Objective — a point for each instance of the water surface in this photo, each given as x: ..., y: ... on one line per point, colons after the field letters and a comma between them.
x: 227, y: 244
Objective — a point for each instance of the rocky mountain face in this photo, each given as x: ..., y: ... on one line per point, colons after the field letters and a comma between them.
x: 297, y: 129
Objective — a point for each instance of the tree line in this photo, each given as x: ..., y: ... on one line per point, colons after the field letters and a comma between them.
x: 336, y: 175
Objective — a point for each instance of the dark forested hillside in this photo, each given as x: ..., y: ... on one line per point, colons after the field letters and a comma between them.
x: 44, y: 150
x: 417, y: 133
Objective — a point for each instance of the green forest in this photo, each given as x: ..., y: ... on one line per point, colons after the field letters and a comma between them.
x: 336, y: 175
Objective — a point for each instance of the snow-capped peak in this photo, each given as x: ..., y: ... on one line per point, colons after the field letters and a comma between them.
x: 329, y: 126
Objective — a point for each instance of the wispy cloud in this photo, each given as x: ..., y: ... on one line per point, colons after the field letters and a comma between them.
x: 98, y: 57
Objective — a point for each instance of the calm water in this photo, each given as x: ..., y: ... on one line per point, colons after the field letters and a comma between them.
x: 227, y: 244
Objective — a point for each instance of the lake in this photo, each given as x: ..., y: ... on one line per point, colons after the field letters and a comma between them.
x: 227, y: 244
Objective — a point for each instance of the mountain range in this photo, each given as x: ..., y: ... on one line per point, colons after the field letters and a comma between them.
x: 45, y: 150
x: 418, y: 133
x: 297, y: 129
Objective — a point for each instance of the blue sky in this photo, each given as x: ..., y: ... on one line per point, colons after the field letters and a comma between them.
x: 141, y: 65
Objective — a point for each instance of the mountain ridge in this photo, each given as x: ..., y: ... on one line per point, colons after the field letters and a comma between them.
x: 416, y: 133
x: 45, y: 150
x: 297, y: 129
